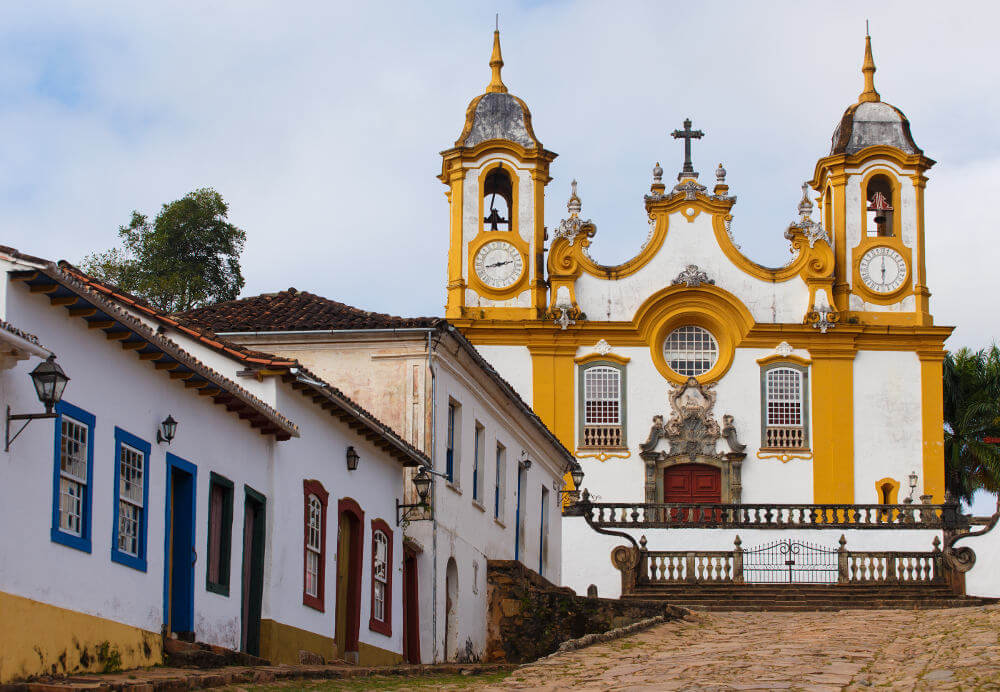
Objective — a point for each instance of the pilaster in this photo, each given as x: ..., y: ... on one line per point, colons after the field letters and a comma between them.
x: 932, y: 421
x: 833, y: 425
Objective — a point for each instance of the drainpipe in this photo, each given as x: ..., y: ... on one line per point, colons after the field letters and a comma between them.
x: 434, y: 528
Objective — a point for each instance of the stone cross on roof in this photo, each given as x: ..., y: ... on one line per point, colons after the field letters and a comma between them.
x: 687, y: 134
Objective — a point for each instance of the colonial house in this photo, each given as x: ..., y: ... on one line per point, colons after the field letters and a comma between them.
x: 500, y: 469
x: 183, y: 486
x: 690, y: 374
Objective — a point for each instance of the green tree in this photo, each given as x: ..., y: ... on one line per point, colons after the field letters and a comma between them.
x: 971, y: 417
x: 187, y: 257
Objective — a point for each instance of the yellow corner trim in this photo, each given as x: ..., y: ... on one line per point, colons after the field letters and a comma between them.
x: 591, y: 357
x: 778, y: 358
x: 783, y: 457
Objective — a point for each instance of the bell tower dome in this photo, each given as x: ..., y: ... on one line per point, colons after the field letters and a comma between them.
x: 872, y: 199
x: 496, y: 175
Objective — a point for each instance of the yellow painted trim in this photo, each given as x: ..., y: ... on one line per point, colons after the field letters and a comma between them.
x: 778, y: 358
x: 893, y: 494
x: 932, y: 417
x: 833, y: 426
x: 707, y: 306
x: 569, y: 261
x: 371, y: 655
x: 602, y: 456
x: 281, y: 643
x: 591, y: 357
x: 783, y: 457
x: 41, y: 639
x: 456, y: 284
x: 506, y: 315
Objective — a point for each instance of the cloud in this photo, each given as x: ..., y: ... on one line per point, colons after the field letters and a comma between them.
x: 321, y: 123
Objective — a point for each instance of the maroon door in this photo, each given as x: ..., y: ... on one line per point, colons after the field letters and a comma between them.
x: 691, y: 483
x: 411, y: 608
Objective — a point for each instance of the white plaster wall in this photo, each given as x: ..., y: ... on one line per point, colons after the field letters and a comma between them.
x: 514, y: 365
x: 466, y: 529
x: 888, y: 433
x: 984, y: 578
x: 120, y: 391
x: 691, y: 243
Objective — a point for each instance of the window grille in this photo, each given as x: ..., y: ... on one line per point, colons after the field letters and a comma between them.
x: 784, y: 417
x: 72, y: 474
x: 314, y: 535
x: 602, y: 396
x: 131, y: 473
x: 380, y: 575
x: 690, y: 351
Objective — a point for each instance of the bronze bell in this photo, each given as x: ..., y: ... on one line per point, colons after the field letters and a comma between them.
x: 494, y: 218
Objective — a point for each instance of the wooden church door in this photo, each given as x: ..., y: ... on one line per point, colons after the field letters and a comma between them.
x: 692, y: 483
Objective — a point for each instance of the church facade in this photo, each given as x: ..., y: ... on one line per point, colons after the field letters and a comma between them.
x: 690, y: 373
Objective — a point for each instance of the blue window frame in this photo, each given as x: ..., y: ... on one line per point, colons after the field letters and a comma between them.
x: 450, y: 456
x: 72, y: 477
x: 128, y: 532
x: 477, y: 461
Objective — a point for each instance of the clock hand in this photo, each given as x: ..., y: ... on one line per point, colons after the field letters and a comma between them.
x: 498, y: 264
x: 883, y: 269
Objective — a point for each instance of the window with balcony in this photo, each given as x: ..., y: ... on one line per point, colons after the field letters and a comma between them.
x: 602, y: 406
x: 785, y: 407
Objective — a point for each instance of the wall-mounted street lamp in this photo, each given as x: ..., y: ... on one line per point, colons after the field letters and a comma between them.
x: 576, y: 473
x: 50, y: 381
x: 352, y: 459
x: 422, y: 482
x: 167, y: 430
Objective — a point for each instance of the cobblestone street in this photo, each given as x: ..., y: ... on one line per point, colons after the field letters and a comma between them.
x: 925, y: 650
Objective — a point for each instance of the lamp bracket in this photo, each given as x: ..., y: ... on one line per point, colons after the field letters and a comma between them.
x: 27, y: 418
x: 407, y: 512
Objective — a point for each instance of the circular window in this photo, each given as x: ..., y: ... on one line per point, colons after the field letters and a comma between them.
x: 690, y: 351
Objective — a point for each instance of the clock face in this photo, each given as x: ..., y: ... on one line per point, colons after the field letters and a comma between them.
x: 499, y: 264
x: 882, y: 269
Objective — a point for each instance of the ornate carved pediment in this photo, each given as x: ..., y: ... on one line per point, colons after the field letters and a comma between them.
x: 692, y: 429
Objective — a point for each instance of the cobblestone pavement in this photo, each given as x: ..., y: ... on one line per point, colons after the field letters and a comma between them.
x: 858, y: 650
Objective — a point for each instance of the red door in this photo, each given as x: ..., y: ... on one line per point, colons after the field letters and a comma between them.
x: 691, y: 483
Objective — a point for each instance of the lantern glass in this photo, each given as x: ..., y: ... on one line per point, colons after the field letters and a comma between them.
x: 352, y: 459
x: 422, y: 482
x: 913, y: 480
x: 169, y: 428
x: 50, y: 381
x: 577, y: 475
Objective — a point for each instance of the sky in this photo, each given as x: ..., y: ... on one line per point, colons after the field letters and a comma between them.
x: 321, y: 124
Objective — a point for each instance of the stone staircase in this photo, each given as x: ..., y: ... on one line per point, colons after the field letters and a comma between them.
x: 182, y: 654
x: 806, y: 597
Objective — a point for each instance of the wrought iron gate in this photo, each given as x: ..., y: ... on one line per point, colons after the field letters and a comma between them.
x: 790, y: 562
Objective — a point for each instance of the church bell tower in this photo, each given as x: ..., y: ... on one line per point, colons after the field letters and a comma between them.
x: 496, y: 176
x: 872, y: 200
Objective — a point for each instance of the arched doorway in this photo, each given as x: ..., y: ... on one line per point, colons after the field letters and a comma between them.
x: 351, y: 521
x: 696, y: 483
x: 451, y: 611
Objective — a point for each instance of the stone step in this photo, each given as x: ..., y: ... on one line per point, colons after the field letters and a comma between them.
x: 184, y: 654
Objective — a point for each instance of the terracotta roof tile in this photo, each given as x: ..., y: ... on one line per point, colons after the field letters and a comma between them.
x: 294, y: 310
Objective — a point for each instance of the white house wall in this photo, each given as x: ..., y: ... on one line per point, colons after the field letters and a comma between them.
x: 119, y: 390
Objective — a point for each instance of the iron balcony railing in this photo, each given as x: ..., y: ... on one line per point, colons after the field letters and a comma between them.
x: 625, y: 515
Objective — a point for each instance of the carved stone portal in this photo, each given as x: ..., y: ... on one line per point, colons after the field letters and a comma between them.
x: 691, y: 434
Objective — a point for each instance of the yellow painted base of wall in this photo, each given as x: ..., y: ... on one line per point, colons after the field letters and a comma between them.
x: 281, y: 643
x: 40, y: 639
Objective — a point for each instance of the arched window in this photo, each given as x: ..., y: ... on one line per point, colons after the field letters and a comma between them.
x: 381, y: 609
x: 879, y: 215
x: 498, y: 197
x: 314, y: 542
x: 784, y: 411
x: 602, y: 409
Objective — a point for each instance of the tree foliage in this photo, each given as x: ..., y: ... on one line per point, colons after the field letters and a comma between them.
x: 972, y: 416
x: 187, y: 257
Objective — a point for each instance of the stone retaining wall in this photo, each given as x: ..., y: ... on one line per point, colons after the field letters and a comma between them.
x: 529, y: 617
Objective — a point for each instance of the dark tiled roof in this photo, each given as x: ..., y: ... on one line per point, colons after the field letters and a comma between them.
x: 292, y: 310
